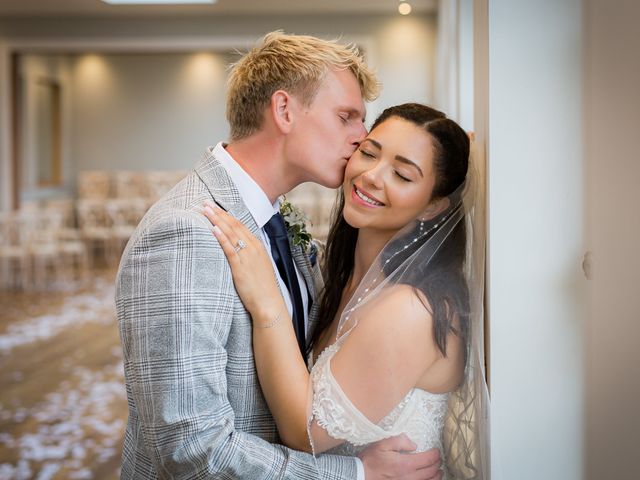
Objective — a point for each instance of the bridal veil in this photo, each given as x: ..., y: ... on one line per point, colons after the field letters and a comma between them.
x: 438, y: 257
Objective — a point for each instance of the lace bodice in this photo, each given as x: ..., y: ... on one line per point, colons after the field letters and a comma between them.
x: 420, y: 415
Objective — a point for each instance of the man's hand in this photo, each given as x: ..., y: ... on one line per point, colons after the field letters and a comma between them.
x: 391, y: 459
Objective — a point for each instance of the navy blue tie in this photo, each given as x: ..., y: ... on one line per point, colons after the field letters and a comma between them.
x: 281, y: 252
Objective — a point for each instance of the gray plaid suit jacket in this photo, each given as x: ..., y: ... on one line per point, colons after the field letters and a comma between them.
x: 195, y: 405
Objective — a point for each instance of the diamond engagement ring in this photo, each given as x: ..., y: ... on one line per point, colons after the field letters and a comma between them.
x: 239, y: 246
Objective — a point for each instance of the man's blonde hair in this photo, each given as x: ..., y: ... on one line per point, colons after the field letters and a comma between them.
x: 293, y: 63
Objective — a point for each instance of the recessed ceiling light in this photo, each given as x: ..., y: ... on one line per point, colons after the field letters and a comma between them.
x: 156, y: 2
x: 404, y: 9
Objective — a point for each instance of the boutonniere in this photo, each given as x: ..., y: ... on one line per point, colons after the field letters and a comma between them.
x: 296, y: 222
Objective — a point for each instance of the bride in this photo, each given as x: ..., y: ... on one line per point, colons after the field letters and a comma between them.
x: 390, y: 348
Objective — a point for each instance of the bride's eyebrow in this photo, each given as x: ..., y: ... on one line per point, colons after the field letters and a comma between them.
x: 406, y: 161
x: 399, y: 158
x: 375, y: 144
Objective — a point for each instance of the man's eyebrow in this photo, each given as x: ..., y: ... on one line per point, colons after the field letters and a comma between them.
x: 355, y: 112
x: 405, y: 160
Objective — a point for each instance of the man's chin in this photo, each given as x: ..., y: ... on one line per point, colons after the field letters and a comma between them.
x: 333, y: 185
x: 334, y: 182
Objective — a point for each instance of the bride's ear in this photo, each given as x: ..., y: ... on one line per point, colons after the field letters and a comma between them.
x: 435, y: 208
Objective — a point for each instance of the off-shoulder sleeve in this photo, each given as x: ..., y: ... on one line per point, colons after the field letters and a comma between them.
x: 334, y: 412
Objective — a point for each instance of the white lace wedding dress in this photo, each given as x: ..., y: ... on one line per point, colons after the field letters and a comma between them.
x: 420, y: 415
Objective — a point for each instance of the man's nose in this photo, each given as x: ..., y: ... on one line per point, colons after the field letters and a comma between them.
x: 359, y: 134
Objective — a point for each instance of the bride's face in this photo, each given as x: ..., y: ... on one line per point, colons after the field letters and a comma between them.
x: 390, y: 177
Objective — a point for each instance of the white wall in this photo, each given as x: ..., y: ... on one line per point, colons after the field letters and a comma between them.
x: 536, y: 287
x: 146, y: 112
x: 405, y: 61
x: 454, y: 75
x: 466, y: 79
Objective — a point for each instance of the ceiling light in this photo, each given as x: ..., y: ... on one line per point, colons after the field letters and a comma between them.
x: 404, y: 8
x: 156, y: 2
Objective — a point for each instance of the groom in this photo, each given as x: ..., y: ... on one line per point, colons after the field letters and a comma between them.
x: 296, y: 111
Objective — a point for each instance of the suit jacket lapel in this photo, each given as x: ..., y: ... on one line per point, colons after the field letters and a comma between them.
x: 301, y: 259
x: 223, y: 191
x: 313, y: 279
x: 225, y: 194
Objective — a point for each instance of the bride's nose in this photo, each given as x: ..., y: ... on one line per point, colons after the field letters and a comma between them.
x: 373, y: 177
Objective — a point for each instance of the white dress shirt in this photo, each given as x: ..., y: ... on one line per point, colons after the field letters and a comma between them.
x: 262, y: 210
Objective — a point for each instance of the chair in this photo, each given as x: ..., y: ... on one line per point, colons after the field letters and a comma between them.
x: 123, y: 216
x: 130, y: 184
x: 65, y: 207
x: 160, y: 182
x: 40, y: 230
x: 94, y: 184
x: 95, y: 230
x: 73, y: 252
x: 14, y: 255
x: 316, y: 202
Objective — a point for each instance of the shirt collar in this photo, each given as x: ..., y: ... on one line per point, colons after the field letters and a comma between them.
x: 252, y: 195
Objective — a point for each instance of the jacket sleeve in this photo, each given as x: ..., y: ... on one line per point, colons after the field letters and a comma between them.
x: 175, y: 299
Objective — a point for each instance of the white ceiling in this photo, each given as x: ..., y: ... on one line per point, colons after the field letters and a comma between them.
x: 64, y: 8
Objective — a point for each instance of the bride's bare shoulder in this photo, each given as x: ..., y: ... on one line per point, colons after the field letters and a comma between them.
x: 404, y: 301
x: 399, y: 315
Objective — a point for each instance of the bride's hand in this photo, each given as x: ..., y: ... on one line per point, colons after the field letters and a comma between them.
x: 251, y: 266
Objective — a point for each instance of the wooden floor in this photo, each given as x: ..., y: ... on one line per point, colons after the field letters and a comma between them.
x: 62, y: 399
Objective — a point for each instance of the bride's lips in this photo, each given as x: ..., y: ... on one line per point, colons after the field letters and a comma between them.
x: 356, y: 198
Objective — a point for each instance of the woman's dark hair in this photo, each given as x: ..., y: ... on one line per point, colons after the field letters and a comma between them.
x: 441, y: 282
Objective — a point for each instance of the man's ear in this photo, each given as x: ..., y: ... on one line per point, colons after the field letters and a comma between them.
x: 435, y: 208
x: 281, y: 110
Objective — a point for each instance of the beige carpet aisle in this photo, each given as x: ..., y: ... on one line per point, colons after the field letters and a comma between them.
x: 62, y: 399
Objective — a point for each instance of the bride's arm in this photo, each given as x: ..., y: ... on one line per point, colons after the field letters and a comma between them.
x: 377, y: 365
x: 282, y: 371
x: 283, y: 374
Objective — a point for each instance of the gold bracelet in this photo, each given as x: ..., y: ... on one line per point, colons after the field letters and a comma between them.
x: 272, y: 322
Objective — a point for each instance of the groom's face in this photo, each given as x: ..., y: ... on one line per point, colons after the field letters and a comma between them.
x: 328, y: 131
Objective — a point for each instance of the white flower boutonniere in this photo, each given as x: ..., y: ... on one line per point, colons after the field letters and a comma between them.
x: 296, y: 222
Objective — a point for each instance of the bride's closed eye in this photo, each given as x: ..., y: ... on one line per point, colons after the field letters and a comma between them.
x: 366, y: 153
x: 402, y: 177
